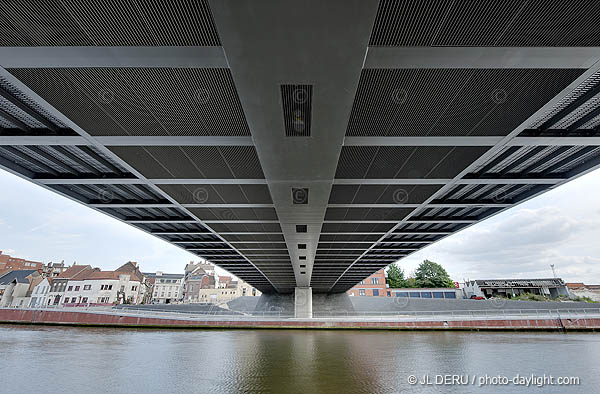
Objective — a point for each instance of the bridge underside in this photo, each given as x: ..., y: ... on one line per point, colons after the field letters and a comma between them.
x: 300, y: 144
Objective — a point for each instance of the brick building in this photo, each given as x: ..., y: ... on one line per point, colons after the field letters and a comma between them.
x: 373, y: 286
x: 9, y: 263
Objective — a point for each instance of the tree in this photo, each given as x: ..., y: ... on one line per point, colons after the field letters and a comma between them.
x: 430, y: 274
x: 396, y: 277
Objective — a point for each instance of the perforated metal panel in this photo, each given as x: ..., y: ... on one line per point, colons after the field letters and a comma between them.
x: 193, y: 161
x: 129, y: 101
x: 451, y: 102
x: 486, y: 23
x: 405, y: 162
x: 101, y: 23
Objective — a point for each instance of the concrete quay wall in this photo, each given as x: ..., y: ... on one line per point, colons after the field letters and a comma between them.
x: 111, y: 319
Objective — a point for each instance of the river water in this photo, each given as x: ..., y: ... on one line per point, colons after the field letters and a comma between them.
x: 40, y: 359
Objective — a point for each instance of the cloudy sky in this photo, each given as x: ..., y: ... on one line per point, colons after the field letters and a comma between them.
x: 561, y: 227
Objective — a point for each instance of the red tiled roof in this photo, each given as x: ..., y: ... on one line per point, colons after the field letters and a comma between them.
x: 99, y: 275
x: 73, y: 271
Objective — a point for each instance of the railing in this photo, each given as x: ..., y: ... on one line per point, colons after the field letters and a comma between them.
x: 566, y: 313
x: 472, y: 314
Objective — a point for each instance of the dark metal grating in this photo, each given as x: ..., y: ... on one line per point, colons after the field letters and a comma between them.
x: 451, y: 102
x: 405, y: 162
x: 62, y: 161
x: 381, y: 194
x: 190, y: 162
x: 107, y: 23
x: 219, y: 194
x: 486, y: 23
x: 537, y: 161
x: 9, y: 91
x: 366, y: 213
x: 225, y: 213
x: 129, y: 101
x: 580, y: 91
x: 296, y: 102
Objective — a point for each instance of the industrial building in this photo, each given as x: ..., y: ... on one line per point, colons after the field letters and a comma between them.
x: 509, y: 288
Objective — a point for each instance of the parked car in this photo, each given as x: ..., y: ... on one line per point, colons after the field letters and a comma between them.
x: 476, y: 297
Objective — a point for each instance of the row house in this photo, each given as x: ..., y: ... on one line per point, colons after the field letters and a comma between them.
x: 222, y: 294
x: 195, y: 283
x: 40, y: 293
x: 103, y: 287
x: 59, y: 284
x: 164, y: 288
x: 84, y: 285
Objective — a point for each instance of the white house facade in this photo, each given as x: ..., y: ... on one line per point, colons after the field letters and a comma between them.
x: 40, y: 294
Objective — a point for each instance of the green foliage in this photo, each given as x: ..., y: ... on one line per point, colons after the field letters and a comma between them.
x: 536, y: 297
x: 530, y: 297
x: 411, y: 282
x: 583, y: 299
x: 430, y: 274
x: 396, y: 277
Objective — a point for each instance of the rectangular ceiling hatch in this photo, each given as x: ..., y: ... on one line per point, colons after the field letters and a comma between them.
x: 297, y: 102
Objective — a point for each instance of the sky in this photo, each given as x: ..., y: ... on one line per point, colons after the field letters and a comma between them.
x: 560, y: 227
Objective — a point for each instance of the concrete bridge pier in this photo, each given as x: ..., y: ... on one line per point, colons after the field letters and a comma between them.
x: 303, y: 305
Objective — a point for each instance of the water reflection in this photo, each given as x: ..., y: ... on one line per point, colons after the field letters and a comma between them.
x: 275, y: 361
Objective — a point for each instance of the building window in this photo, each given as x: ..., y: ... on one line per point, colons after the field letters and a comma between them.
x: 401, y: 294
x: 375, y: 281
x: 415, y: 294
x: 450, y: 294
x: 133, y: 288
x: 438, y: 294
x: 84, y: 300
x: 70, y: 288
x: 77, y: 288
x: 87, y: 287
x: 426, y: 294
x: 361, y: 292
x: 362, y: 282
x: 375, y: 292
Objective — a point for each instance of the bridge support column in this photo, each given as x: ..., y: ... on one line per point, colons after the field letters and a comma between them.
x: 303, y: 303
